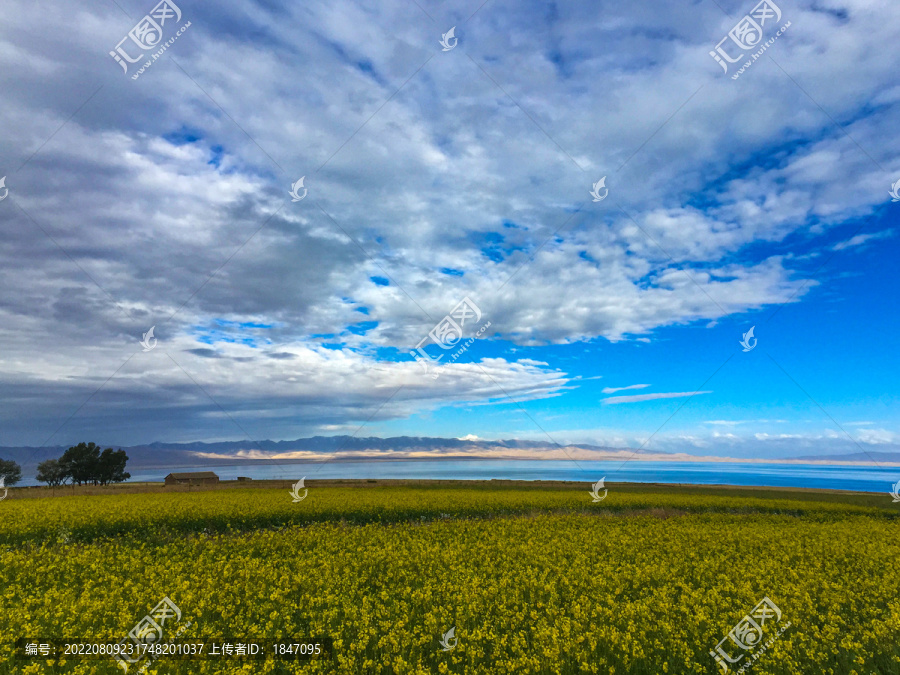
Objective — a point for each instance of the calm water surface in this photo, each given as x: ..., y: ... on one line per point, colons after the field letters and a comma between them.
x: 858, y: 478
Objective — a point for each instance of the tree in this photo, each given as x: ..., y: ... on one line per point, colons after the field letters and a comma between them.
x: 84, y: 463
x: 10, y: 472
x: 81, y: 463
x: 112, y: 467
x: 51, y: 472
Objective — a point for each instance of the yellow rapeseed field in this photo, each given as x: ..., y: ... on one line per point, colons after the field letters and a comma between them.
x: 647, y: 581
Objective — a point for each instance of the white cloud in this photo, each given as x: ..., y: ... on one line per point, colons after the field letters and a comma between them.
x: 860, y: 239
x: 650, y: 397
x: 612, y: 390
x: 878, y: 436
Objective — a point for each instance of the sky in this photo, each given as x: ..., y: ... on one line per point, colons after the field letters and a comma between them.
x: 599, y: 208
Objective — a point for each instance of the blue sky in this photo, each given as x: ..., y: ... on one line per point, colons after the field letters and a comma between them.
x: 834, y: 354
x: 436, y: 175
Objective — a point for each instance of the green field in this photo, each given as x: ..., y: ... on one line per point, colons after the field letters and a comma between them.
x: 535, y: 579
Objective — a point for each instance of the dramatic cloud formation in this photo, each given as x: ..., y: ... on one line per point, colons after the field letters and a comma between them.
x: 432, y: 176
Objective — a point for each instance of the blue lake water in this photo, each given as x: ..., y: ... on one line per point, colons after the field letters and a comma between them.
x: 856, y: 478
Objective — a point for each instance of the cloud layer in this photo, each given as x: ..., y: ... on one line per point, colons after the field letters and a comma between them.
x: 432, y: 176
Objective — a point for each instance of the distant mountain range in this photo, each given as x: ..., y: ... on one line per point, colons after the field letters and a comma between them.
x: 164, y: 455
x: 338, y: 448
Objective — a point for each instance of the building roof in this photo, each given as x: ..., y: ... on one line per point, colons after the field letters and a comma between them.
x: 193, y: 474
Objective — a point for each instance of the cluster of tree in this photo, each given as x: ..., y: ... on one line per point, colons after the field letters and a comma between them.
x: 84, y: 463
x: 10, y: 472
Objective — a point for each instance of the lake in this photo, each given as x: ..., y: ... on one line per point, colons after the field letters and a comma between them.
x: 856, y: 478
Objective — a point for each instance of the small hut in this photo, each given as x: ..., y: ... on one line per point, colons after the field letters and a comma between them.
x: 192, y: 478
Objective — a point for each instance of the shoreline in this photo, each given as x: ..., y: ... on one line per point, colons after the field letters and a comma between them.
x: 776, y: 475
x: 542, y: 457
